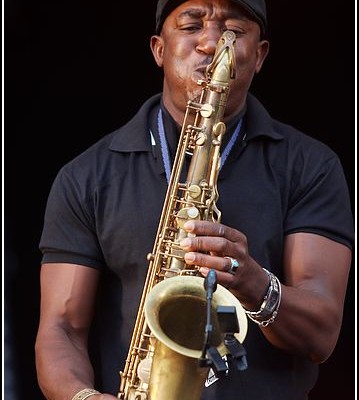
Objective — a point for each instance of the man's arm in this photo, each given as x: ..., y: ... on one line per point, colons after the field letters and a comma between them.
x: 67, y: 300
x: 316, y: 271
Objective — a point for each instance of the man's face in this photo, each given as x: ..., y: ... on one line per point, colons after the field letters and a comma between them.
x: 187, y: 44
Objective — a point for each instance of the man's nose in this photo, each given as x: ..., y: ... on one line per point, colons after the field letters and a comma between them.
x: 208, y: 40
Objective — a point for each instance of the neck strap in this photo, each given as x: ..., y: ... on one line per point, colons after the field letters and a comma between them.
x: 164, y: 146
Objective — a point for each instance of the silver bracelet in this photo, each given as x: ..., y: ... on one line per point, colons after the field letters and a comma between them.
x: 85, y: 393
x: 271, y: 301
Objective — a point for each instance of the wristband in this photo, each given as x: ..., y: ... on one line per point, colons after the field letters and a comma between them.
x: 271, y: 301
x: 84, y: 394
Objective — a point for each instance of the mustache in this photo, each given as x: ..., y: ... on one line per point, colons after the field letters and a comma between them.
x: 202, y: 65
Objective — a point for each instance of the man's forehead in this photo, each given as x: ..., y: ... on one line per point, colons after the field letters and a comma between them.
x: 190, y: 10
x: 255, y: 8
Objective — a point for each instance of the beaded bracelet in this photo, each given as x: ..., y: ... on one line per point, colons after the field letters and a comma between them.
x: 271, y: 301
x: 84, y: 394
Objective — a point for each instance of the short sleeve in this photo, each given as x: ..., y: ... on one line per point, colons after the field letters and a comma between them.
x: 320, y: 201
x: 69, y: 233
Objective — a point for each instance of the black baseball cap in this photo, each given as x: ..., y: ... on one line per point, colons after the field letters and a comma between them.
x: 256, y: 8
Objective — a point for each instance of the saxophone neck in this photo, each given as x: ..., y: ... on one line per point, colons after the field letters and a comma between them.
x: 223, y: 66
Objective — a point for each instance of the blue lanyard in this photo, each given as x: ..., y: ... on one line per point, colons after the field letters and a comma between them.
x: 164, y: 146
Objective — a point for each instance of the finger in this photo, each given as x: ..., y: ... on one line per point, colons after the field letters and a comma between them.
x: 207, y: 228
x: 204, y: 260
x: 210, y: 244
x: 223, y: 278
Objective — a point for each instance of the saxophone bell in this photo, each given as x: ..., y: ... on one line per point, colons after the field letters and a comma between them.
x: 175, y: 311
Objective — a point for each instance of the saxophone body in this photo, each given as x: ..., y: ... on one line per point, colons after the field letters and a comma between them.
x: 162, y: 362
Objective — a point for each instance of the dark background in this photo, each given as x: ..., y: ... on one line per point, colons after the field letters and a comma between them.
x: 76, y: 70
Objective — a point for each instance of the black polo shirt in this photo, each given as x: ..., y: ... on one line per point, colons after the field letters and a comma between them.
x: 104, y: 208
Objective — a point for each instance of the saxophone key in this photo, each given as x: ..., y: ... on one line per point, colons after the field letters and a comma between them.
x: 219, y: 129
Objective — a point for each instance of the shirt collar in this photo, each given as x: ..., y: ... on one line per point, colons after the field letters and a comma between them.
x: 258, y: 121
x: 134, y: 135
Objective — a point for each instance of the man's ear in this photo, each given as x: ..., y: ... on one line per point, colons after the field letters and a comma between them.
x: 262, y: 52
x: 156, y: 44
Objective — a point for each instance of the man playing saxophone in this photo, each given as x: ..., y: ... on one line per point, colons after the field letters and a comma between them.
x: 282, y: 247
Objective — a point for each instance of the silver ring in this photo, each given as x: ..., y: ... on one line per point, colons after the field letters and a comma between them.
x: 234, y: 265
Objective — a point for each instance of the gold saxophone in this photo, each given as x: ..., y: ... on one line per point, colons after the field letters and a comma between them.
x: 169, y: 336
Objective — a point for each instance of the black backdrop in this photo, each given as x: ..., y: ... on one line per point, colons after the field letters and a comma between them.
x: 75, y: 70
